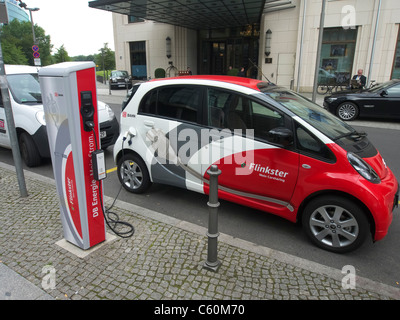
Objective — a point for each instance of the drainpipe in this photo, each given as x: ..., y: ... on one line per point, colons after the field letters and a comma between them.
x: 301, y: 45
x: 373, y: 43
x: 317, y: 63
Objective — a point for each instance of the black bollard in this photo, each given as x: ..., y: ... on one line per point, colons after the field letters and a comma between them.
x: 212, y: 262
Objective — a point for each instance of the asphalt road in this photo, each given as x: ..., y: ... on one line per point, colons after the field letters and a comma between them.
x: 378, y: 261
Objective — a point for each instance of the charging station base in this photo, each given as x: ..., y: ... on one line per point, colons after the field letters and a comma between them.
x: 80, y: 253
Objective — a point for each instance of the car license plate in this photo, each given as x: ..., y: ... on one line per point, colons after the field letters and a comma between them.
x: 103, y: 134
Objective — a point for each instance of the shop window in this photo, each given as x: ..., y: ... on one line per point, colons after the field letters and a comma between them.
x: 337, y: 55
x: 396, y: 62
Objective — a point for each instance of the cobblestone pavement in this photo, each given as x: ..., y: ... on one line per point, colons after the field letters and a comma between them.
x: 162, y: 261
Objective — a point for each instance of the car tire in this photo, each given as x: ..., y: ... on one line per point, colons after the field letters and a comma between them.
x: 347, y: 111
x: 334, y: 223
x: 29, y: 150
x: 133, y: 173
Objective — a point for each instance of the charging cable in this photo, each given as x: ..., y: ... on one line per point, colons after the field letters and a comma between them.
x: 113, y: 221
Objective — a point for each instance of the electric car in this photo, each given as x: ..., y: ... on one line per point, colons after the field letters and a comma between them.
x: 277, y: 151
x: 27, y: 107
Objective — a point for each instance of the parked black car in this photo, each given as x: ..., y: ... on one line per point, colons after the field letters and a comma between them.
x: 382, y: 101
x: 120, y: 79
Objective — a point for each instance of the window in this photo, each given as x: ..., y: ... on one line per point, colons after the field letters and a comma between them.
x: 137, y: 51
x: 394, y: 91
x: 396, y: 62
x: 337, y: 55
x: 311, y: 146
x: 175, y: 102
x: 233, y: 111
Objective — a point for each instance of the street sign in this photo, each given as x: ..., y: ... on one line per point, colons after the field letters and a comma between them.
x: 36, y: 54
x: 35, y: 48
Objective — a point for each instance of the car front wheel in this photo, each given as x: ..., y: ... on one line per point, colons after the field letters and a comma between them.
x: 29, y: 151
x: 347, y: 111
x: 335, y: 224
x: 133, y: 174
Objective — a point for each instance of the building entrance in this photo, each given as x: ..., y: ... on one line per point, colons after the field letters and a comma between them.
x: 235, y: 47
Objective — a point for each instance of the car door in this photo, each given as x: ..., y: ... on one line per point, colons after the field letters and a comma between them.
x: 253, y: 168
x: 391, y: 107
x: 168, y: 118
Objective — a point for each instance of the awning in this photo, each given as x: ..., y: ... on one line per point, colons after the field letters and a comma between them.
x: 192, y: 14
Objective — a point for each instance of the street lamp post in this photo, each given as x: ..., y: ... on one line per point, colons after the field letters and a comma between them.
x: 33, y: 29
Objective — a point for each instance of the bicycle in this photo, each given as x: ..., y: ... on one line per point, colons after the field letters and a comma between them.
x: 324, y: 89
x: 372, y: 84
x: 171, y: 71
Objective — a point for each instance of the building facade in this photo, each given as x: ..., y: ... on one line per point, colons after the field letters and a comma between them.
x: 15, y: 11
x: 282, y: 47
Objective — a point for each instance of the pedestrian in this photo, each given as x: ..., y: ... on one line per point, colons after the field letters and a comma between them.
x: 241, y: 73
x: 189, y: 71
x: 359, y: 80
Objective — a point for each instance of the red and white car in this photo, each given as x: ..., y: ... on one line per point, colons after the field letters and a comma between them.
x: 277, y: 151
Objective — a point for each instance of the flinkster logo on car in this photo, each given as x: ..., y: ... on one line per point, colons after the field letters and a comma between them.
x: 265, y: 171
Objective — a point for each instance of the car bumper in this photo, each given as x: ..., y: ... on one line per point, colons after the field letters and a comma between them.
x: 120, y: 84
x: 382, y: 202
x: 109, y: 132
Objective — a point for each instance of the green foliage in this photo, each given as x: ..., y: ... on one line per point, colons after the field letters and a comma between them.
x: 159, y: 73
x: 61, y: 55
x: 17, y: 41
x: 106, y: 58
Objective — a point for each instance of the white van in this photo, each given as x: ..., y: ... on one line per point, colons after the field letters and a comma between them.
x: 26, y: 103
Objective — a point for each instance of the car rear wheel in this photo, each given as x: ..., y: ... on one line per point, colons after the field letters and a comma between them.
x: 347, y: 111
x: 133, y: 174
x: 335, y: 224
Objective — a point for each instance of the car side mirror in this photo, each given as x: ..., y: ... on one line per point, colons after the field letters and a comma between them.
x: 384, y: 93
x: 281, y: 136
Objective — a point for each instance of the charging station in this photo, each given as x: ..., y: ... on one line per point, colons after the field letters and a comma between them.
x: 70, y: 105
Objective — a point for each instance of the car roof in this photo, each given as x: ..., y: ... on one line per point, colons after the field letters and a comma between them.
x: 245, y: 82
x: 20, y: 69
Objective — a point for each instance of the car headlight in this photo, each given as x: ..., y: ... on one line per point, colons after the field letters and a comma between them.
x: 40, y: 117
x: 363, y: 168
x: 110, y: 112
x: 330, y: 99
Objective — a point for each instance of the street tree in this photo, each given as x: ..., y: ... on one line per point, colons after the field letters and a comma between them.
x: 61, y: 55
x: 106, y: 58
x: 17, y: 41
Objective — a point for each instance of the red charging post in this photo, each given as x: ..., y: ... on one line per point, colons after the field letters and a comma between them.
x: 70, y: 105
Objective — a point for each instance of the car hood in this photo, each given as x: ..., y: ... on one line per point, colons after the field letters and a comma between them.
x: 352, y: 93
x: 103, y: 113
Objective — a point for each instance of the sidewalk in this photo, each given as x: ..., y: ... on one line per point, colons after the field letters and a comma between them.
x: 162, y: 261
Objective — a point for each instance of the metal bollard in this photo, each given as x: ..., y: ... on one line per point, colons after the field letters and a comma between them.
x: 212, y: 262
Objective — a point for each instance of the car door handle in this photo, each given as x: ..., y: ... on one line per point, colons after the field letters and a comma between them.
x: 149, y: 123
x: 306, y: 166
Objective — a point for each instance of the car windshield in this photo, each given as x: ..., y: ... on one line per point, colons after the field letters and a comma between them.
x: 310, y: 112
x: 120, y: 74
x: 25, y: 88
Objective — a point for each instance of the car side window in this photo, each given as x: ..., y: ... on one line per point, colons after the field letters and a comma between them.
x: 264, y: 119
x: 394, y: 91
x: 230, y: 110
x: 175, y: 102
x: 311, y: 146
